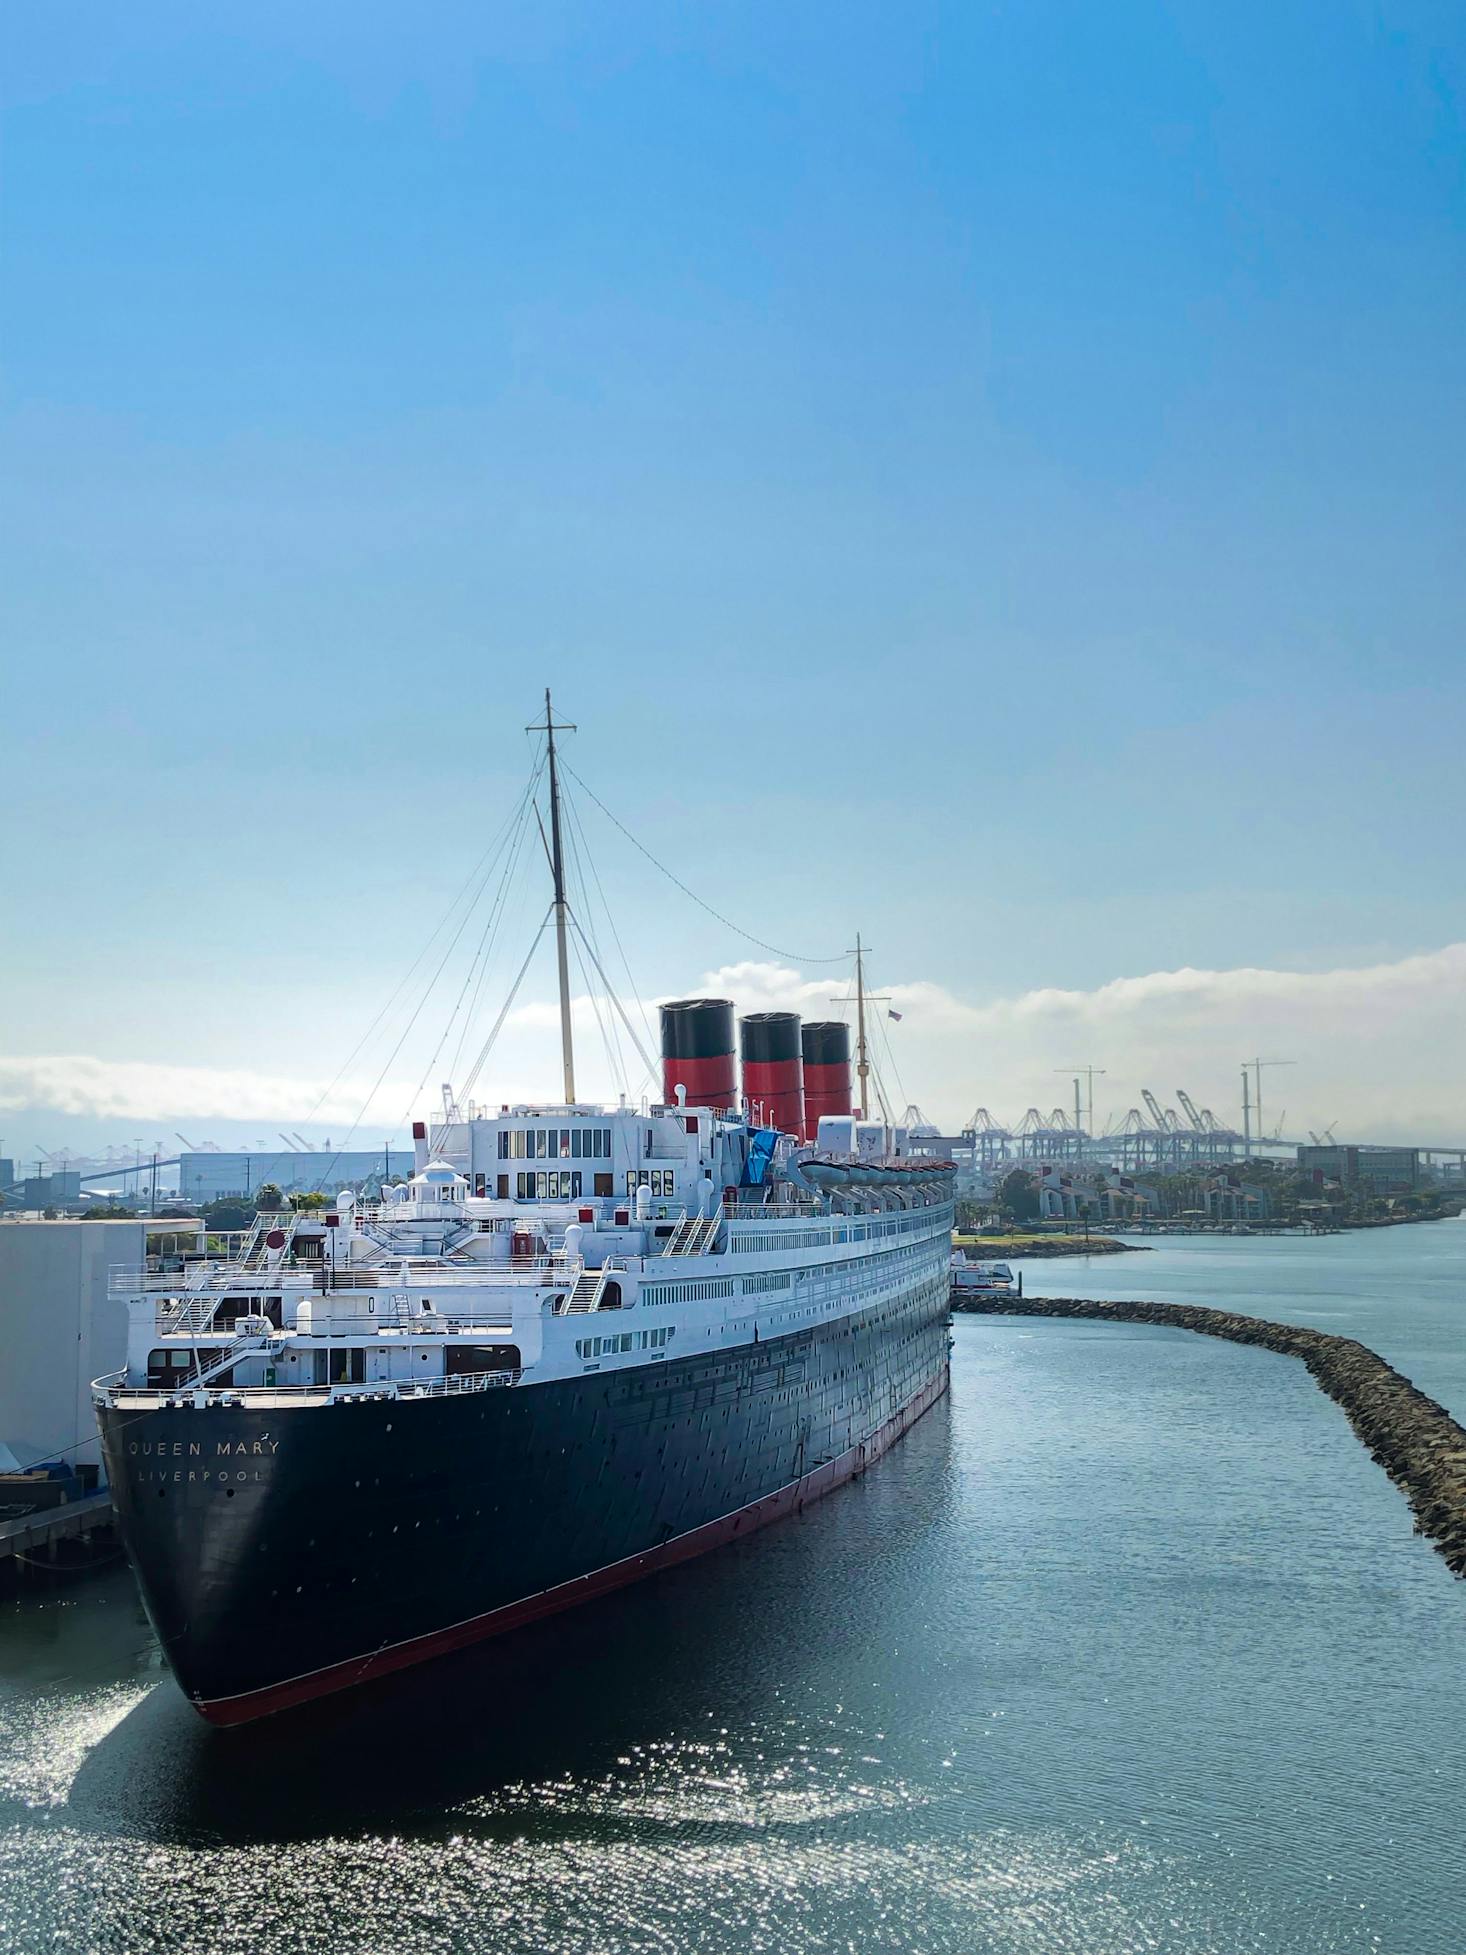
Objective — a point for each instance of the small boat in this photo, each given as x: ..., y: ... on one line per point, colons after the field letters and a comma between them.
x: 983, y: 1279
x: 30, y: 1490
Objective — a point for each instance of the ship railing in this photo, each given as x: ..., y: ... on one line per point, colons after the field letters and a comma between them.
x: 393, y: 1276
x: 771, y: 1211
x: 210, y: 1279
x: 308, y: 1276
x: 113, y: 1390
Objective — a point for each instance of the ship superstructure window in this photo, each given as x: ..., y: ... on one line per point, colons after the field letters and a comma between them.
x: 553, y: 1185
x: 661, y: 1181
x: 554, y: 1143
x: 774, y: 1279
x: 712, y: 1286
x: 168, y: 1369
x: 627, y: 1340
x: 474, y: 1358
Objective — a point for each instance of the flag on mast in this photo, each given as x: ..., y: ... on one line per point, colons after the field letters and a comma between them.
x: 893, y: 1014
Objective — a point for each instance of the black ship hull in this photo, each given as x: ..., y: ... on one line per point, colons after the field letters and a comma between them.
x: 283, y: 1554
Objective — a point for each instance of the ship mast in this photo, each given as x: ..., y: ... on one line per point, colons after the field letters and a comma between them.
x: 862, y: 1057
x: 557, y: 867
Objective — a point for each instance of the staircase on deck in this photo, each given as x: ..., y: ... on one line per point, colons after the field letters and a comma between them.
x: 695, y: 1236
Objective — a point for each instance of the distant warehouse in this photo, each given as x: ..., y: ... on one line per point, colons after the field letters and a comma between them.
x: 205, y: 1176
x: 1377, y: 1170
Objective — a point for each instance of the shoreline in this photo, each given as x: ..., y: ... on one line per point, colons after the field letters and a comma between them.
x: 1004, y: 1248
x: 1414, y: 1439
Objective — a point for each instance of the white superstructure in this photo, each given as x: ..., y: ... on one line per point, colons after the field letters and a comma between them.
x: 543, y: 1243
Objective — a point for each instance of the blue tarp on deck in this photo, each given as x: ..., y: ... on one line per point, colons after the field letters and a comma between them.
x: 761, y: 1144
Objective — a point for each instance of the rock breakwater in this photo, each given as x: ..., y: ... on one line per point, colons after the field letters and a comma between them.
x: 1416, y: 1441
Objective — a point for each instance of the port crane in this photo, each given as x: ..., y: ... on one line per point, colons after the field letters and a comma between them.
x: 1153, y: 1108
x: 1189, y: 1110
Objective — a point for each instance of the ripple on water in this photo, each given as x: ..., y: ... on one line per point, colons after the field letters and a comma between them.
x: 792, y: 1835
x: 1128, y: 1648
x: 813, y: 1887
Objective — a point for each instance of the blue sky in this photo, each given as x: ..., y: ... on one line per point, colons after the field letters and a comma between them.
x: 990, y: 476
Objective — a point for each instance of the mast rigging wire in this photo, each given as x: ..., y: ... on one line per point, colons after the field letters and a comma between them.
x: 608, y: 1040
x: 647, y: 1060
x: 486, y: 942
x: 585, y: 849
x: 605, y: 1026
x: 793, y: 955
x: 504, y: 1008
x: 895, y: 1069
x: 406, y: 1030
x: 484, y: 865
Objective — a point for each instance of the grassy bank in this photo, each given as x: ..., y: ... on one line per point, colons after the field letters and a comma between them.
x: 998, y: 1248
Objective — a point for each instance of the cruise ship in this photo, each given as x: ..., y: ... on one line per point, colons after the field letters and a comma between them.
x: 578, y: 1345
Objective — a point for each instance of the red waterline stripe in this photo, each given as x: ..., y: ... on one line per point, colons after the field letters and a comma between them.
x: 569, y: 1595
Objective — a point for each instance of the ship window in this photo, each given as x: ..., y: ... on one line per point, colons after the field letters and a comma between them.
x: 604, y: 1184
x: 503, y: 1143
x: 167, y: 1368
x: 540, y: 1181
x: 468, y: 1359
x: 575, y: 1185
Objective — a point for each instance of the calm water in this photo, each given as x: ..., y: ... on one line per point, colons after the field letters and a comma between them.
x: 1401, y: 1291
x: 1128, y: 1647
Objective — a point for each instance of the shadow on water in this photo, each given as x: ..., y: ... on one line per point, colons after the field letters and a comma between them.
x: 571, y: 1697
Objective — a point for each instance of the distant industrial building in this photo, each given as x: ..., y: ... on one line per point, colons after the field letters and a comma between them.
x: 206, y: 1176
x: 59, y: 1189
x: 1373, y: 1170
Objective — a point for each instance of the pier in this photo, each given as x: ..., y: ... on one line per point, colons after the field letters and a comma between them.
x: 36, y: 1538
x: 1416, y: 1441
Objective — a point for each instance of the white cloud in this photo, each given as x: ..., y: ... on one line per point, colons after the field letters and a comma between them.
x: 1381, y: 1050
x: 125, y: 1089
